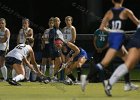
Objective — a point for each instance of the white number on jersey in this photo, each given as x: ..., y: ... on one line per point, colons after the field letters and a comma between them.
x: 20, y: 46
x: 116, y: 24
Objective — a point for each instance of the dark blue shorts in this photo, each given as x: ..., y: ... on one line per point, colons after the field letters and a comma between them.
x: 11, y: 60
x: 134, y: 42
x: 54, y: 52
x: 116, y: 40
x: 46, y: 51
x: 81, y: 54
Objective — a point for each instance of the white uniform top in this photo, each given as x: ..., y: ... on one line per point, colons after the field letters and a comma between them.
x: 4, y: 46
x: 67, y: 33
x: 20, y: 51
x: 22, y: 38
x: 60, y: 34
x: 46, y: 35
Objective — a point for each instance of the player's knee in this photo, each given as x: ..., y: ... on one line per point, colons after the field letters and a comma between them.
x: 79, y: 65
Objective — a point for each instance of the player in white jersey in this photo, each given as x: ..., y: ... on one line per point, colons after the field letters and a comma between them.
x: 24, y: 33
x: 18, y: 55
x: 4, y: 46
x: 69, y: 32
x: 45, y: 47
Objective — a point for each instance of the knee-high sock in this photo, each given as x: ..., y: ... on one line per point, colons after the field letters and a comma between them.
x: 18, y: 77
x: 119, y: 72
x: 27, y: 72
x: 79, y: 72
x: 43, y: 69
x: 51, y: 71
x: 13, y: 73
x: 4, y: 72
x: 127, y: 78
x: 100, y: 69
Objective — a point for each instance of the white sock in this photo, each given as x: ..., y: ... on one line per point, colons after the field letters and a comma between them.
x: 119, y: 72
x: 4, y: 72
x: 43, y: 69
x: 18, y: 77
x: 51, y: 70
x: 13, y: 73
x: 27, y: 72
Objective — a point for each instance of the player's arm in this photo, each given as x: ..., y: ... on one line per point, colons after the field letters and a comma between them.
x: 132, y: 17
x: 28, y: 64
x: 73, y: 34
x: 105, y: 21
x: 74, y: 48
x: 34, y: 62
x: 29, y: 34
x: 6, y: 36
x: 63, y: 57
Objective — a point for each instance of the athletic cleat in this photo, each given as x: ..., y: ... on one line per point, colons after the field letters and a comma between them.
x: 130, y: 86
x: 45, y: 80
x: 83, y: 82
x: 12, y: 82
x: 77, y: 83
x: 68, y: 82
x: 107, y: 87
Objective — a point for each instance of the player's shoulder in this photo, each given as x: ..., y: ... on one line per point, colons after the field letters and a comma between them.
x: 29, y: 47
x: 30, y: 29
x: 72, y: 27
x: 47, y: 30
x: 7, y: 30
x: 127, y: 10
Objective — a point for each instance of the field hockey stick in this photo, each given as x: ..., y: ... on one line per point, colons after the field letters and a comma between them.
x: 64, y: 65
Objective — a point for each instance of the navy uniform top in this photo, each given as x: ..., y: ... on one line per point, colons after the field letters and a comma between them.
x: 67, y: 51
x: 116, y: 22
x: 53, y: 34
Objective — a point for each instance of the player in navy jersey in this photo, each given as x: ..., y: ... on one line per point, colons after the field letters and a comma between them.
x: 115, y: 18
x: 76, y: 56
x: 54, y: 52
x: 45, y: 48
x: 133, y: 58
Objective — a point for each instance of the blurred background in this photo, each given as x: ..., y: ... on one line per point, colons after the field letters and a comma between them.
x: 87, y: 15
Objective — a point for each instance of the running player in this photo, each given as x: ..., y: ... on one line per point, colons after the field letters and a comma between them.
x: 18, y: 55
x: 133, y: 58
x: 76, y: 59
x: 45, y: 44
x: 116, y: 18
x: 4, y: 46
x: 101, y: 45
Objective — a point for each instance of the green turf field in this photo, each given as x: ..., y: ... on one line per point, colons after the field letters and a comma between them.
x: 59, y: 91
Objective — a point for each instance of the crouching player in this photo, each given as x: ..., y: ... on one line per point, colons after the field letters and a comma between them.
x: 17, y: 56
x: 76, y: 60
